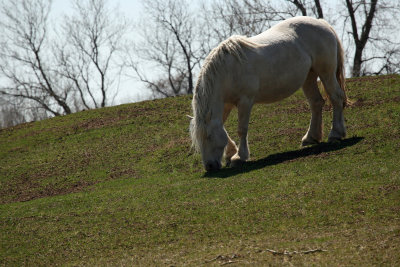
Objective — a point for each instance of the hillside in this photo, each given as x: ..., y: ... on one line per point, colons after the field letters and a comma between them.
x: 121, y: 186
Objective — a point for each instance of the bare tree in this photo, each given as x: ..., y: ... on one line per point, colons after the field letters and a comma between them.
x: 93, y: 35
x: 60, y: 70
x: 373, y: 31
x: 361, y: 39
x: 26, y: 69
x: 226, y: 18
x: 169, y: 45
x: 250, y: 17
x: 305, y: 6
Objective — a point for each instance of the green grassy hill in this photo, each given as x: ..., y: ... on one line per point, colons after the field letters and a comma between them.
x: 121, y: 186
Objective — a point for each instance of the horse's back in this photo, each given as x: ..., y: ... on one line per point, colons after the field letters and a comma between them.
x: 286, y: 54
x: 314, y: 36
x: 318, y: 39
x: 306, y: 29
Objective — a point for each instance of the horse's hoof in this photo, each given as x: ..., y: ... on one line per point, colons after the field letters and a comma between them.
x: 336, y: 136
x: 228, y: 162
x: 334, y: 140
x: 212, y: 166
x: 236, y: 162
x: 309, y: 142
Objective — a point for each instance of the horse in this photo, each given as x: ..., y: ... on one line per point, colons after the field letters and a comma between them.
x: 243, y: 71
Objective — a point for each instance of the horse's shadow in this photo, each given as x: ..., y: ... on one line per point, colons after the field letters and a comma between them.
x: 278, y: 158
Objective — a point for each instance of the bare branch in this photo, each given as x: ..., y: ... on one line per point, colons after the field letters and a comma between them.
x: 22, y: 58
x: 319, y: 9
x: 300, y: 6
x: 96, y: 35
x: 171, y: 45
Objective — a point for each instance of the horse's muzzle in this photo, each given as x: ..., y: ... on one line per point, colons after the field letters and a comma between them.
x: 212, y: 166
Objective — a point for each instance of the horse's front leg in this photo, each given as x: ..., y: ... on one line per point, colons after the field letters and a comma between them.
x: 244, y: 109
x: 231, y: 148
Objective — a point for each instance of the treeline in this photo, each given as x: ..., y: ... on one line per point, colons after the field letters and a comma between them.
x: 51, y: 68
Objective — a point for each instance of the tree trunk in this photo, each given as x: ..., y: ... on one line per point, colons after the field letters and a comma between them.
x: 362, y: 39
x: 319, y: 9
x: 357, y: 61
x: 300, y: 6
x: 190, y: 78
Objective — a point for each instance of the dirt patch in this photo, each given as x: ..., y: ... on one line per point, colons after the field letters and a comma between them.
x: 178, y: 141
x: 29, y: 187
x: 125, y: 115
x: 358, y: 103
x: 372, y: 78
x: 101, y: 122
x: 300, y: 107
x: 26, y: 189
x: 117, y: 173
x: 291, y: 131
x: 388, y: 189
x: 362, y: 102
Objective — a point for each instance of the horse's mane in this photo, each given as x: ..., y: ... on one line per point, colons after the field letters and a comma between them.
x: 213, y: 63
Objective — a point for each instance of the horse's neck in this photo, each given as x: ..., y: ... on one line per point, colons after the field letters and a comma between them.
x: 217, y: 109
x: 216, y: 105
x: 210, y: 106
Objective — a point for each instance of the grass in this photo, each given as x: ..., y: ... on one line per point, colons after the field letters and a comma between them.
x: 121, y: 186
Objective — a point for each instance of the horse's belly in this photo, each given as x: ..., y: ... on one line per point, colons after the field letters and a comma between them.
x: 270, y: 96
x: 277, y: 89
x: 281, y: 71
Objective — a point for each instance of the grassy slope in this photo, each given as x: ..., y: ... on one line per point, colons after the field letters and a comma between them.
x: 120, y: 186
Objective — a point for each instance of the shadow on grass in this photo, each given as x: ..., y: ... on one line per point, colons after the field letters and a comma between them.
x: 278, y: 158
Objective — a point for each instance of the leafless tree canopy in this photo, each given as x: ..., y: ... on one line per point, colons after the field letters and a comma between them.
x: 26, y: 67
x: 170, y: 45
x: 59, y: 69
x: 92, y: 37
x: 373, y: 29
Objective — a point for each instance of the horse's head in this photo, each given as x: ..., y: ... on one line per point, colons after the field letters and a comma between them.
x: 210, y: 139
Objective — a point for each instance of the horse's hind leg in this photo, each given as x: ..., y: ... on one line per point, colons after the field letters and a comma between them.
x: 336, y: 96
x: 311, y: 91
x: 231, y: 148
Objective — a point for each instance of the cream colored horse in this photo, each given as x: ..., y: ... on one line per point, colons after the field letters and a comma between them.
x: 263, y: 69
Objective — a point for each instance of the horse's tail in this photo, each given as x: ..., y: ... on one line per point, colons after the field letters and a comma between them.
x: 340, y: 70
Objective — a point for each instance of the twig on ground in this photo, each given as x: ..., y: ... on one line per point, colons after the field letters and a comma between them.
x: 227, y: 259
x: 229, y: 262
x: 219, y: 257
x: 290, y: 253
